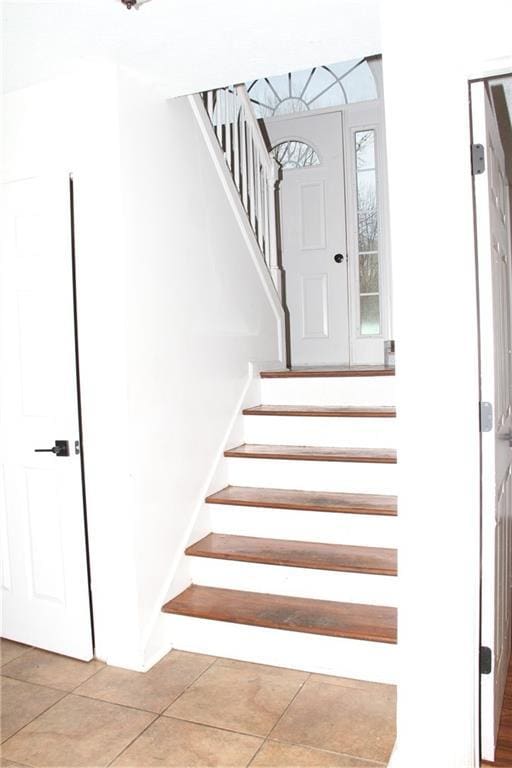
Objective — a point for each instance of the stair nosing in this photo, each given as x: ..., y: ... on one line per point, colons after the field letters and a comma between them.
x: 319, y: 373
x: 315, y: 455
x: 346, y: 508
x: 347, y: 412
x: 194, y: 550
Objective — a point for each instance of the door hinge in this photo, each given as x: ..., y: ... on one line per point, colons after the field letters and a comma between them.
x: 485, y: 660
x: 477, y: 159
x: 485, y: 417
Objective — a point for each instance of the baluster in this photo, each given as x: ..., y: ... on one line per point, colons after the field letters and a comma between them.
x: 250, y: 174
x: 209, y: 105
x: 259, y: 230
x: 236, y: 141
x: 229, y: 114
x: 243, y: 155
x: 218, y: 115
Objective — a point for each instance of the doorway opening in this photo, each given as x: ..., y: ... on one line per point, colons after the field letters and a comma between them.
x: 325, y: 128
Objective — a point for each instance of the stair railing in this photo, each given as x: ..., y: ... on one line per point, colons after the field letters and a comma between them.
x: 254, y: 172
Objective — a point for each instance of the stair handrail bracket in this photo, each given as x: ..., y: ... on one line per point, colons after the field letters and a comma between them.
x: 254, y: 171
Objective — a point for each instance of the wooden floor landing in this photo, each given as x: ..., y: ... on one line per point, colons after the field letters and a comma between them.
x: 504, y: 747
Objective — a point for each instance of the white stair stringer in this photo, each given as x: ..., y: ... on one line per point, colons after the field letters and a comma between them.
x: 305, y: 525
x: 335, y: 431
x: 294, y: 581
x: 360, y: 659
x: 331, y: 476
x: 344, y: 390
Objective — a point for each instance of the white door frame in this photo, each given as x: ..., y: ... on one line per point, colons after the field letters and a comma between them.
x: 488, y: 501
x: 358, y: 116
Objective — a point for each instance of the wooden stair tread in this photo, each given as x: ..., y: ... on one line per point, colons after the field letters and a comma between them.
x: 299, y: 554
x: 314, y: 501
x: 312, y: 453
x: 320, y: 617
x: 328, y: 371
x: 384, y: 411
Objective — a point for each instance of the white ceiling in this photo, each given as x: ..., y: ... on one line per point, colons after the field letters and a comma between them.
x: 184, y: 46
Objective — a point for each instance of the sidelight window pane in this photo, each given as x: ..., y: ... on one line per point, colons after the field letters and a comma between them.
x: 365, y: 150
x: 370, y: 315
x: 368, y: 273
x: 367, y: 233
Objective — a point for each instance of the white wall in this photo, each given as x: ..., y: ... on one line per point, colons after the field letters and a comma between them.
x: 430, y: 50
x: 197, y: 313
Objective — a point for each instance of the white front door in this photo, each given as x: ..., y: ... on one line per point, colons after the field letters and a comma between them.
x: 313, y: 239
x: 333, y: 233
x: 44, y: 575
x: 494, y: 277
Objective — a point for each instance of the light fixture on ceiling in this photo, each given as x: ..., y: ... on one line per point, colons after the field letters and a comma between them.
x: 133, y: 3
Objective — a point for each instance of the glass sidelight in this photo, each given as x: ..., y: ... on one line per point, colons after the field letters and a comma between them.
x: 368, y: 233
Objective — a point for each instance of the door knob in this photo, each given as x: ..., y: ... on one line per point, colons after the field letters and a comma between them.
x: 338, y: 258
x: 61, y: 448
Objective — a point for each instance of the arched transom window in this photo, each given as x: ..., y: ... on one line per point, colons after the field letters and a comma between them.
x: 316, y: 88
x: 295, y: 154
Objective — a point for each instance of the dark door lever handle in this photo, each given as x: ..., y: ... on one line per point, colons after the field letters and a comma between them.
x: 61, y: 448
x: 338, y: 258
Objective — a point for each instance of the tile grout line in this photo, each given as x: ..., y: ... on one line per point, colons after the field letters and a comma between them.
x: 376, y: 763
x: 190, y: 722
x: 288, y: 707
x: 267, y: 737
x: 215, y: 727
x: 297, y: 744
x: 160, y: 714
x: 47, y: 685
x: 75, y: 692
x: 134, y: 739
x: 64, y: 694
x: 4, y: 663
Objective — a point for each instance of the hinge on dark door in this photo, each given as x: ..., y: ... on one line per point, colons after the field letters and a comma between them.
x: 485, y: 660
x: 485, y: 416
x: 477, y: 159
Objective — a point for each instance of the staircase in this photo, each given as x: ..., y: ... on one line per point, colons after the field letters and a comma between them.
x: 299, y: 569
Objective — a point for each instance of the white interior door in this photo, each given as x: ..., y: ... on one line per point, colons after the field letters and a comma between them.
x: 44, y: 576
x: 493, y: 242
x: 313, y: 238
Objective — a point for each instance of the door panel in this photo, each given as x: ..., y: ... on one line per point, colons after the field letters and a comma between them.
x: 312, y: 232
x: 45, y: 592
x: 493, y: 243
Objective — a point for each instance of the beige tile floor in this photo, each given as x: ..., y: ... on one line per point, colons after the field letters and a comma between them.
x: 189, y: 710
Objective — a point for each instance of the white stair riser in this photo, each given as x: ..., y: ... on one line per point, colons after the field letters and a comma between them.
x: 305, y: 525
x: 337, y: 476
x: 295, y: 582
x: 347, y: 390
x: 357, y: 659
x: 321, y: 431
